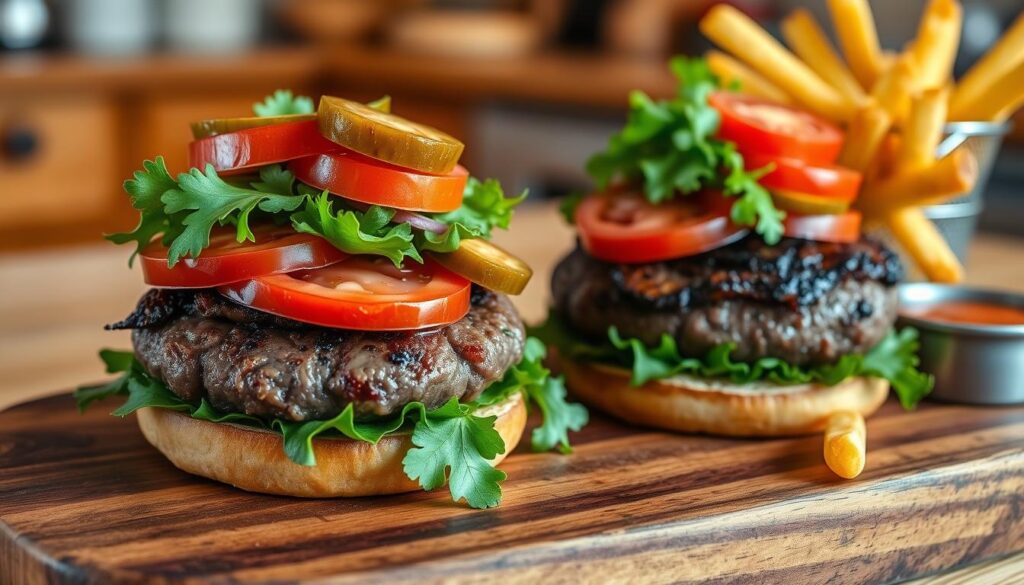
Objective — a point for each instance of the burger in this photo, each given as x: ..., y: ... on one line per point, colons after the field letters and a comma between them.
x: 327, y: 316
x: 721, y: 283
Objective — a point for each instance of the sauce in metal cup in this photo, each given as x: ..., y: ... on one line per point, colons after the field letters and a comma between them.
x: 976, y: 355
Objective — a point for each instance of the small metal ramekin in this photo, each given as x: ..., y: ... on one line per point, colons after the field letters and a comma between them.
x: 972, y: 364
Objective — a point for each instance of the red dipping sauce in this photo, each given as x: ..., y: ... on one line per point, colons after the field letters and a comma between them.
x: 968, y: 312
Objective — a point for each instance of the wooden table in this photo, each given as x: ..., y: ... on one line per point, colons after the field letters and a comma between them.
x: 53, y: 304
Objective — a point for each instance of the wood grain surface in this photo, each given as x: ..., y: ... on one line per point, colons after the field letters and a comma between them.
x: 52, y: 308
x: 85, y: 499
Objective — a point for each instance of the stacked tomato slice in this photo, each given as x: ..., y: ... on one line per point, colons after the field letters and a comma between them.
x: 797, y: 151
x: 800, y: 149
x: 367, y: 156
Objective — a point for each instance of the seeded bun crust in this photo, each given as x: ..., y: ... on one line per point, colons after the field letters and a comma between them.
x: 253, y: 459
x: 694, y: 405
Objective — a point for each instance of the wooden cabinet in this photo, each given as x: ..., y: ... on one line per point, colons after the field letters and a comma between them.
x: 59, y: 159
x: 73, y: 128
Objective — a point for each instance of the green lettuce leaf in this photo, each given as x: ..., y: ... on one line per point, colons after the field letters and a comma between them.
x: 669, y: 146
x: 145, y: 190
x: 116, y: 362
x: 567, y: 207
x: 894, y: 359
x: 283, y: 103
x: 446, y: 242
x: 185, y: 211
x: 451, y: 443
x: 484, y: 208
x: 356, y: 232
x: 213, y: 201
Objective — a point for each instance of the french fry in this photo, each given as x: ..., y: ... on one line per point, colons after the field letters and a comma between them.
x: 741, y: 36
x: 923, y: 130
x: 920, y: 238
x: 809, y: 42
x: 858, y: 38
x: 730, y: 70
x: 934, y: 48
x: 976, y: 83
x: 867, y: 129
x: 946, y: 178
x: 892, y: 91
x: 1000, y: 100
x: 846, y: 444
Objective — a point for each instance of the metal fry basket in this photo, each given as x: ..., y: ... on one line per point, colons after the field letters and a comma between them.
x: 958, y: 219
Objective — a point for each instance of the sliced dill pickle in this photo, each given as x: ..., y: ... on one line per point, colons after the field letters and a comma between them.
x: 808, y: 204
x: 387, y: 137
x: 205, y: 128
x: 488, y: 265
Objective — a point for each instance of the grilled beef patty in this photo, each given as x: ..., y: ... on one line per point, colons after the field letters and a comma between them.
x: 804, y: 302
x: 202, y: 345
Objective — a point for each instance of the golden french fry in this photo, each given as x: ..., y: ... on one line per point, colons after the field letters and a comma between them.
x: 923, y: 130
x: 977, y: 82
x: 934, y: 48
x: 944, y: 179
x: 867, y: 129
x: 922, y: 240
x: 809, y: 42
x: 846, y: 443
x: 751, y: 82
x: 884, y: 163
x: 893, y: 89
x: 741, y: 36
x: 858, y: 38
x: 1000, y: 100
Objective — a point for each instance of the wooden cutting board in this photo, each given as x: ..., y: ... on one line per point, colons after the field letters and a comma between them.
x: 84, y: 499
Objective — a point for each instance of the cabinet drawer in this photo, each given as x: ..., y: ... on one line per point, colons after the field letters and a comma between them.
x: 58, y: 160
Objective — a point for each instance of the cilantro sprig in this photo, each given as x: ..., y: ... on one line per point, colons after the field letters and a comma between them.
x: 669, y: 146
x: 894, y: 359
x: 183, y: 212
x: 451, y: 443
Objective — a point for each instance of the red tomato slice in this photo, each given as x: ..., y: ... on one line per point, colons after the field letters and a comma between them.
x: 768, y: 128
x: 361, y: 178
x: 842, y: 228
x: 796, y: 176
x: 254, y: 147
x: 276, y: 250
x: 360, y: 292
x: 625, y: 227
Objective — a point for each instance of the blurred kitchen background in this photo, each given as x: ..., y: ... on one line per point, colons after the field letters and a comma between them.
x: 90, y: 88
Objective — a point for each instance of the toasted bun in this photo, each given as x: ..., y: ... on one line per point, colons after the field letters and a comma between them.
x: 253, y: 459
x: 695, y: 405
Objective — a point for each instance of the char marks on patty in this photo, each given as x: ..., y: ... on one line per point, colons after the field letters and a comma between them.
x: 202, y: 345
x: 804, y: 302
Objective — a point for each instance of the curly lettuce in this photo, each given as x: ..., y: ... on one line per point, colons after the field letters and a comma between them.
x: 452, y: 443
x: 894, y: 359
x: 184, y: 210
x: 669, y: 146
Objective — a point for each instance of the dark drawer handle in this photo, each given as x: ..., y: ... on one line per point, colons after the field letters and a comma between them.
x: 19, y: 143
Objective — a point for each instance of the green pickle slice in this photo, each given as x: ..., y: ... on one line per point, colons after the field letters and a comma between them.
x: 207, y: 128
x: 488, y: 265
x: 386, y: 137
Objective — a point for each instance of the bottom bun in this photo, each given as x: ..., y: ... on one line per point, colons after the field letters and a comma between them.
x: 696, y: 405
x: 254, y: 460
